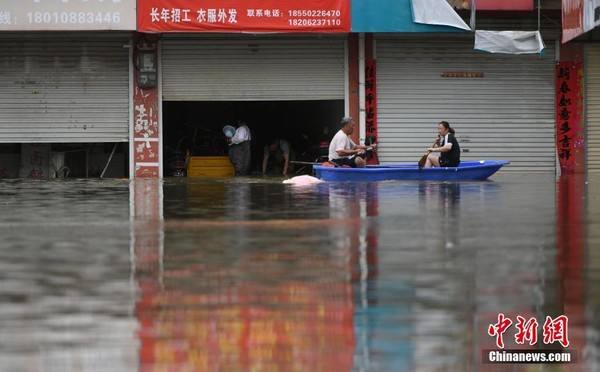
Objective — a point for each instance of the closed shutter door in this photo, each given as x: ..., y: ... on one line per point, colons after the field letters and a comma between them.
x: 506, y: 114
x: 253, y: 69
x: 592, y: 68
x: 64, y: 89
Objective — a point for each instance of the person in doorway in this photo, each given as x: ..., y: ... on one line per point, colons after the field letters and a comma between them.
x: 448, y: 148
x: 239, y: 149
x: 343, y: 151
x: 272, y: 147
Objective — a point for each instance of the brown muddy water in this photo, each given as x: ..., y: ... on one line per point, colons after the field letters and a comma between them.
x: 250, y: 274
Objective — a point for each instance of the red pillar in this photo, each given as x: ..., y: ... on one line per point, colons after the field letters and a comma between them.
x: 147, y: 246
x: 571, y: 260
x: 146, y: 104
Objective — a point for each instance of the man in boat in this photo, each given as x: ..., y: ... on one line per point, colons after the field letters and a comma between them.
x: 343, y: 151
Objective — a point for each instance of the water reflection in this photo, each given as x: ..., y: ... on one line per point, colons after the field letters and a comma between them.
x: 253, y: 274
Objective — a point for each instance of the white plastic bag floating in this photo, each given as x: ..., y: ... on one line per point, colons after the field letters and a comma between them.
x: 509, y: 42
x: 437, y: 12
x: 304, y: 180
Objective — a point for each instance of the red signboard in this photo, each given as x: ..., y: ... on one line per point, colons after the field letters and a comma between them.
x: 246, y: 16
x: 572, y: 19
x: 504, y: 5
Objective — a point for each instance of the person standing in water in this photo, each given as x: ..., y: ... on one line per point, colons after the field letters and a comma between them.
x: 239, y: 149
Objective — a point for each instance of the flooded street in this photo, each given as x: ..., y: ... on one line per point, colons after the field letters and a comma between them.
x: 255, y: 275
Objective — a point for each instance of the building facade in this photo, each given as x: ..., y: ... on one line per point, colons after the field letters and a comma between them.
x: 122, y: 88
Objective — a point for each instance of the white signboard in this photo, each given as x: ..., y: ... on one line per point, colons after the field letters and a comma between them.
x: 67, y: 15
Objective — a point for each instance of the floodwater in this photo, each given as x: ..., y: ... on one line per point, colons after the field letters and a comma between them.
x: 255, y: 275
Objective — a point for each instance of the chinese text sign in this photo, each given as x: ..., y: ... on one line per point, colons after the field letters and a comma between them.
x: 246, y: 16
x: 371, y: 103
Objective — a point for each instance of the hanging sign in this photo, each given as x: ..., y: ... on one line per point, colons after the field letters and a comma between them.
x: 569, y: 138
x: 244, y: 16
x: 578, y: 17
x: 371, y: 103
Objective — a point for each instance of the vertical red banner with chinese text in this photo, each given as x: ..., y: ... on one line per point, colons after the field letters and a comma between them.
x: 371, y: 103
x: 569, y: 117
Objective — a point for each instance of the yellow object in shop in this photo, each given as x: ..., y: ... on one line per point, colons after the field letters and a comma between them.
x: 210, y: 166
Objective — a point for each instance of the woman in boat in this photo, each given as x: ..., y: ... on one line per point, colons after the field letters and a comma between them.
x: 343, y: 151
x: 448, y: 148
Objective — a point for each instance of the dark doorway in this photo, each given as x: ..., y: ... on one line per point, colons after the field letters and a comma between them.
x: 197, y: 126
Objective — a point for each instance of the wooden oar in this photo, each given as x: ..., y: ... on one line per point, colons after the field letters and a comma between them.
x: 424, y: 157
x: 305, y: 162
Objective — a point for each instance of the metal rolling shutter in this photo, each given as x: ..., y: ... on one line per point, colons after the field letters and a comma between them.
x: 508, y: 114
x: 592, y: 68
x: 64, y: 88
x: 253, y: 69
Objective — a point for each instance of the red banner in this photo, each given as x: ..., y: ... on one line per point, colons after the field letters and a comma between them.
x: 569, y: 116
x: 246, y: 16
x: 572, y: 19
x: 371, y: 103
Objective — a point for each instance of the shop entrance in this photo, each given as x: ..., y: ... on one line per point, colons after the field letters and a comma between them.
x: 196, y: 126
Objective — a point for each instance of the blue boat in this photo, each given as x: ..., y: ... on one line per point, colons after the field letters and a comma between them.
x: 466, y: 171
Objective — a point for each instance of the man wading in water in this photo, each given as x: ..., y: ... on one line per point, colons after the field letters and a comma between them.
x: 239, y: 149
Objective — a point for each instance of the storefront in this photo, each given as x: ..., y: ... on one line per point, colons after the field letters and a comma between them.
x: 65, y: 95
x: 281, y: 67
x: 501, y: 106
x: 283, y: 87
